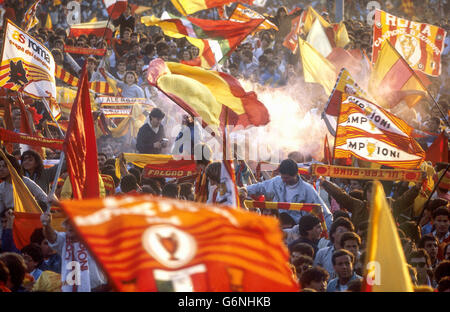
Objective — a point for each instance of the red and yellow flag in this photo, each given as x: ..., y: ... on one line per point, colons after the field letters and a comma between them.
x: 392, y: 80
x: 187, y: 7
x: 370, y: 133
x: 206, y: 94
x: 243, y: 14
x: 80, y: 145
x: 386, y: 268
x: 420, y: 44
x: 146, y: 243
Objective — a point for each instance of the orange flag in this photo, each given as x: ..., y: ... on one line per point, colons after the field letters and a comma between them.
x: 147, y: 243
x: 327, y: 156
x: 80, y: 145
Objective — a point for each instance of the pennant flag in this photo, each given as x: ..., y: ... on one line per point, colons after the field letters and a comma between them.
x: 420, y: 44
x: 29, y: 19
x: 341, y: 35
x: 327, y: 156
x: 316, y: 68
x: 147, y: 243
x: 392, y: 80
x: 344, y: 84
x: 314, y: 209
x: 438, y: 151
x: 48, y: 22
x: 115, y: 8
x: 206, y: 94
x: 187, y: 7
x: 27, y: 65
x: 309, y: 17
x: 291, y: 39
x: 386, y: 269
x: 97, y: 28
x: 370, y: 133
x: 318, y: 39
x: 80, y: 146
x: 243, y: 14
x: 216, y: 39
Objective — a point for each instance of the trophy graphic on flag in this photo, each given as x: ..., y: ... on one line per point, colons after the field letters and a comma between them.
x: 169, y: 243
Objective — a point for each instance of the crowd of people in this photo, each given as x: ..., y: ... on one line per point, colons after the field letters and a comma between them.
x: 320, y: 264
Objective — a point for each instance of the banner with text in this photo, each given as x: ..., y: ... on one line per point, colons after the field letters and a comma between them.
x: 26, y: 65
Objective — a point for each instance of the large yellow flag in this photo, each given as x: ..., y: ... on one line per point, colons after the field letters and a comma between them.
x: 316, y: 68
x: 23, y: 199
x: 386, y: 266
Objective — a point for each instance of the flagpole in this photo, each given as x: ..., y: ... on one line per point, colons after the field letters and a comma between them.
x: 432, y: 192
x: 61, y: 157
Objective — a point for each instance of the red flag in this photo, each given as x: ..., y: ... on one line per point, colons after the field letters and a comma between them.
x: 327, y: 157
x: 115, y: 7
x: 80, y: 145
x: 438, y: 151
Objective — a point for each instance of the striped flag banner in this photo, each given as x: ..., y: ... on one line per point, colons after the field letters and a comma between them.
x: 314, y: 209
x: 187, y: 7
x: 216, y: 39
x: 147, y: 243
x: 96, y: 28
x: 370, y: 133
x: 420, y: 44
x: 97, y: 86
x: 84, y: 51
x: 243, y: 14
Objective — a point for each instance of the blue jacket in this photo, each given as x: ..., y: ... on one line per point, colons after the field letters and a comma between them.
x: 306, y: 194
x: 334, y: 286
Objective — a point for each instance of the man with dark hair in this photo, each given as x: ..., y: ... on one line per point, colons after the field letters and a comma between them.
x: 33, y: 257
x: 352, y: 242
x: 125, y: 20
x: 441, y: 271
x: 441, y: 222
x: 444, y: 284
x: 315, y: 278
x: 151, y: 137
x: 343, y: 261
x: 420, y: 260
x: 301, y: 264
x: 101, y: 158
x: 51, y: 260
x: 430, y: 244
x: 128, y: 184
x: 289, y: 187
x: 301, y: 249
x: 310, y: 230
x: 324, y: 255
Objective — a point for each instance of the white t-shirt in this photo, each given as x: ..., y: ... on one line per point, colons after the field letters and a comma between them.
x: 89, y: 277
x: 291, y: 191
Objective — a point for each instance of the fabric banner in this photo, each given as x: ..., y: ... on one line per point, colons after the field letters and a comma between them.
x: 29, y: 18
x: 314, y: 209
x: 187, y: 7
x: 116, y: 113
x: 420, y: 44
x: 115, y: 7
x: 147, y: 243
x: 26, y: 65
x: 171, y: 169
x: 121, y: 101
x: 356, y: 173
x: 99, y: 29
x: 84, y: 51
x: 13, y: 137
x: 243, y: 14
x: 370, y: 133
x: 108, y: 182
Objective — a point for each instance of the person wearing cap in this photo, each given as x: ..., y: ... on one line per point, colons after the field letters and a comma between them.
x: 151, y: 138
x: 288, y: 187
